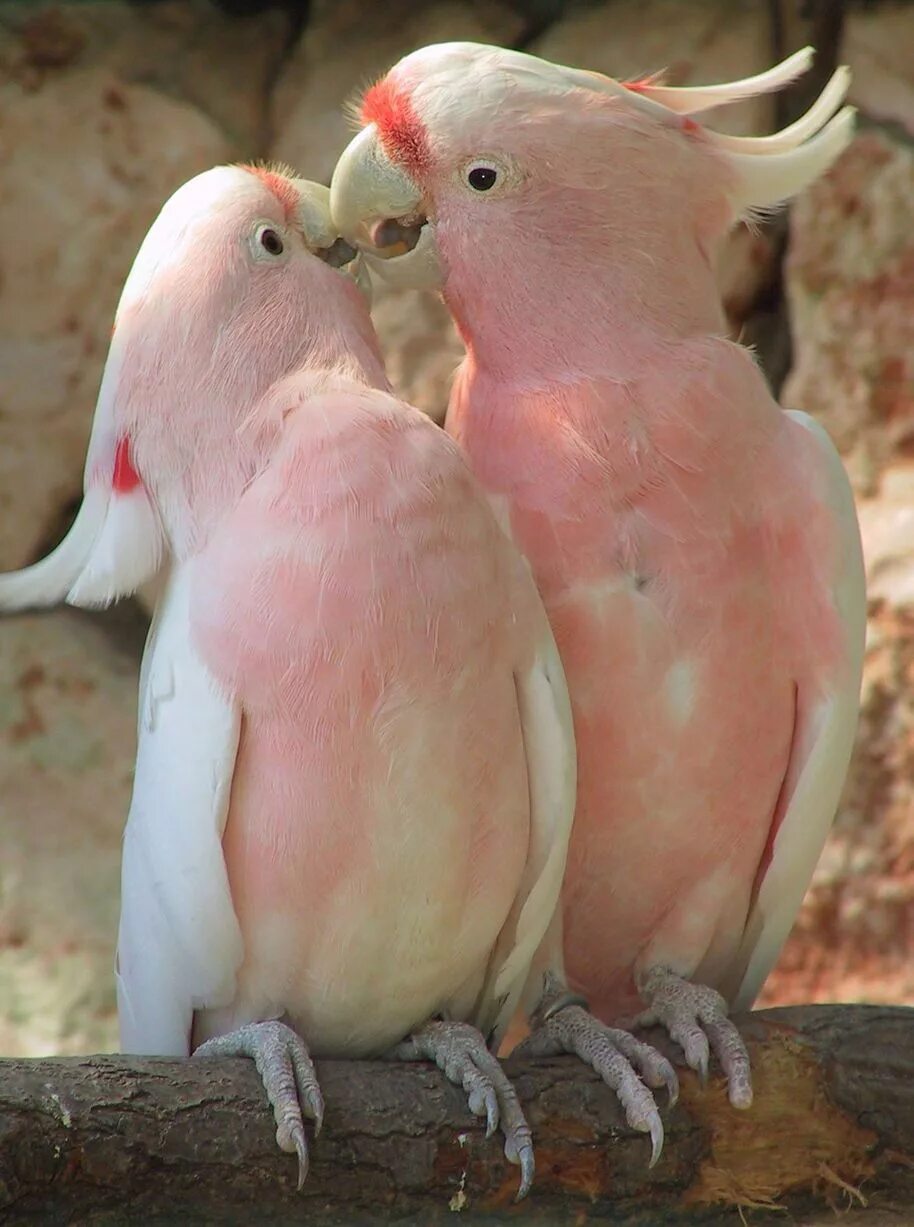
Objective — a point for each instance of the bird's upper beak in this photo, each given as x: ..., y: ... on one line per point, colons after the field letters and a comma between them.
x: 380, y: 209
x: 323, y: 237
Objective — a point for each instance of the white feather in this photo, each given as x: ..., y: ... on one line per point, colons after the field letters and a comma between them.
x: 691, y: 99
x: 48, y: 581
x: 770, y: 179
x: 179, y: 943
x: 116, y: 541
x: 546, y: 724
x: 801, y: 129
x: 127, y: 551
x: 822, y: 747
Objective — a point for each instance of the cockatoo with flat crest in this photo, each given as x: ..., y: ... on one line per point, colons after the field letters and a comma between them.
x: 696, y: 547
x: 355, y: 773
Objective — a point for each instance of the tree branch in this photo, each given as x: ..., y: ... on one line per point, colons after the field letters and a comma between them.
x: 110, y: 1140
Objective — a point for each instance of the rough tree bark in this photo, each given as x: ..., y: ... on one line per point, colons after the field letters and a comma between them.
x: 109, y: 1140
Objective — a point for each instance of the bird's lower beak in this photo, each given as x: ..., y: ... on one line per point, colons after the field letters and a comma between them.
x: 324, y: 239
x: 348, y: 260
x: 380, y: 209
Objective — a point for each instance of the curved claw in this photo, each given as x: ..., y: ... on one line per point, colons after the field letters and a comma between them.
x: 491, y: 1111
x: 672, y: 1087
x: 656, y: 1141
x: 301, y: 1149
x: 527, y: 1163
x: 701, y: 1069
x: 315, y: 1105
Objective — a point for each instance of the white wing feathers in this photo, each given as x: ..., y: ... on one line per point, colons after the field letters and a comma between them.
x: 179, y: 944
x: 47, y: 582
x: 545, y: 715
x: 116, y: 541
x: 823, y: 741
x: 114, y: 545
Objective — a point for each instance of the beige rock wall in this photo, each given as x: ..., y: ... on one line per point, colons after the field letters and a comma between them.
x: 67, y: 739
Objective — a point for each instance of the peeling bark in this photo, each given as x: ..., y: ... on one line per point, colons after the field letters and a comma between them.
x: 110, y: 1140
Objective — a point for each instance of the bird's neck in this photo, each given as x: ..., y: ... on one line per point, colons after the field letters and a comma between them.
x: 549, y: 317
x: 624, y: 424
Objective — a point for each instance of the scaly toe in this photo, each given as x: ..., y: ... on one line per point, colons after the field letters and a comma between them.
x: 288, y: 1077
x: 695, y: 1016
x: 693, y: 1042
x: 460, y: 1051
x: 617, y: 1057
x: 652, y: 1065
x: 733, y: 1055
x: 519, y: 1148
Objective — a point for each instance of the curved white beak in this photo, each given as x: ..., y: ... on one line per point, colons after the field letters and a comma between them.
x: 323, y: 237
x: 379, y: 208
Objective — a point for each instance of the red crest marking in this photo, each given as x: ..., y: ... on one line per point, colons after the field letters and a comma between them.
x: 280, y: 185
x: 390, y: 108
x: 125, y: 477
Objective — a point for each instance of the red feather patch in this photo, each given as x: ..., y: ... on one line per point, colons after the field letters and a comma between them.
x: 390, y: 108
x: 125, y: 477
x: 281, y: 187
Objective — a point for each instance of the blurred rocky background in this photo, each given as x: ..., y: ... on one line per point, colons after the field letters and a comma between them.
x: 106, y: 107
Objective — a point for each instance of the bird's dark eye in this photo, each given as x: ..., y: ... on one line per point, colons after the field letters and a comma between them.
x: 481, y: 178
x: 271, y: 242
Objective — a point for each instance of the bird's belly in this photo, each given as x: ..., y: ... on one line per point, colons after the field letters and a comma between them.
x: 368, y: 899
x: 682, y: 748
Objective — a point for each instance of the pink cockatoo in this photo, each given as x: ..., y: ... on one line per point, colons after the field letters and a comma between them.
x: 356, y: 773
x: 696, y: 547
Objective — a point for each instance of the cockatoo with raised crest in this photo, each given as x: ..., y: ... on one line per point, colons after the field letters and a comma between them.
x: 696, y: 547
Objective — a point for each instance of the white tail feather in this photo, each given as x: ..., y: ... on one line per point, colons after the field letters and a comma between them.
x: 127, y: 551
x: 47, y: 582
x: 689, y: 100
x: 115, y: 544
x: 806, y: 126
x: 771, y: 179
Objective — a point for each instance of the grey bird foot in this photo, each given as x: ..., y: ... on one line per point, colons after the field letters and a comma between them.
x: 562, y: 1023
x: 460, y: 1051
x: 289, y: 1080
x: 696, y: 1018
